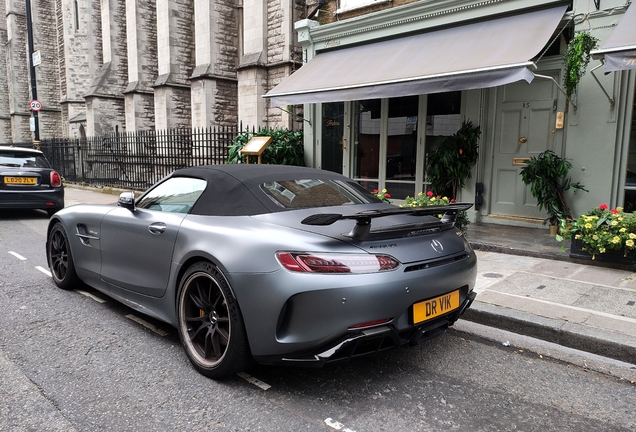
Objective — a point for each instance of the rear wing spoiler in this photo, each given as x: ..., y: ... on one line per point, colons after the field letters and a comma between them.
x: 363, y: 219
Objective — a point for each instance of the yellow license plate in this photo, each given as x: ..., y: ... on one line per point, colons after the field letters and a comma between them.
x: 429, y: 309
x: 20, y: 180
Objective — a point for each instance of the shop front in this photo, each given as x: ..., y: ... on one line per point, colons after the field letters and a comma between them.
x: 380, y: 91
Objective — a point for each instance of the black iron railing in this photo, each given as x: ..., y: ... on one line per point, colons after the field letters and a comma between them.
x: 136, y: 160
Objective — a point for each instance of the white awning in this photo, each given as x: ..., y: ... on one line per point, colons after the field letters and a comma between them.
x: 619, y: 50
x: 478, y: 55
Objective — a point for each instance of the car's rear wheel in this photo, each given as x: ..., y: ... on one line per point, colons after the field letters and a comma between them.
x: 210, y: 323
x: 61, y: 259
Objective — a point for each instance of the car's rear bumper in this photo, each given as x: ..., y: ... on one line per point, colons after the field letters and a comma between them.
x: 369, y: 342
x: 44, y: 199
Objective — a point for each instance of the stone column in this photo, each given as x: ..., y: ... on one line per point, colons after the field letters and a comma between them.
x: 214, y: 83
x: 5, y: 119
x: 252, y: 71
x: 175, y: 47
x: 141, y: 22
x: 73, y: 37
x: 104, y: 100
x: 47, y: 74
x: 17, y: 70
x: 284, y: 57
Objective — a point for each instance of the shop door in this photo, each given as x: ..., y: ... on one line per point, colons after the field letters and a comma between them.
x: 524, y: 127
x: 333, y: 139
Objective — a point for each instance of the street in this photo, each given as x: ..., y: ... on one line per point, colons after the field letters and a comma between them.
x: 78, y: 360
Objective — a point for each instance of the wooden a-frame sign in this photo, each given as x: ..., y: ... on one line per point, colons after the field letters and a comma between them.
x: 256, y: 146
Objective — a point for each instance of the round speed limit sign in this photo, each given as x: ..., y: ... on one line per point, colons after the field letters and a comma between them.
x: 35, y: 105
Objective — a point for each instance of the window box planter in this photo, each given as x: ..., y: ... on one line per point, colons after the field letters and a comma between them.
x: 611, y: 256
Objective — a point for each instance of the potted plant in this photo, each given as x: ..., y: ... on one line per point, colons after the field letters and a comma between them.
x: 547, y: 175
x: 450, y: 164
x: 602, y: 233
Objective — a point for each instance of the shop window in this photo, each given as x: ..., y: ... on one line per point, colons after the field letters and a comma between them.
x: 366, y: 145
x: 401, y: 146
x: 443, y: 119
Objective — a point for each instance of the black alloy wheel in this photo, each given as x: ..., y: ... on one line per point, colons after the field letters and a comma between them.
x: 210, y: 323
x: 60, y: 258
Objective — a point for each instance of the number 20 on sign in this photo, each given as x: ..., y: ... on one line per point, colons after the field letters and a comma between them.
x: 35, y: 105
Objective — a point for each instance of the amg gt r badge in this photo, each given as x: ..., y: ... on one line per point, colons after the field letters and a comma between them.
x: 437, y: 246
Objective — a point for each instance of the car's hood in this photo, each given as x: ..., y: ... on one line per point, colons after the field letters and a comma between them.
x: 407, y: 237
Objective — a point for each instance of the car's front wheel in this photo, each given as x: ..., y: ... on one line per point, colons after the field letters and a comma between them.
x: 210, y: 323
x: 61, y: 259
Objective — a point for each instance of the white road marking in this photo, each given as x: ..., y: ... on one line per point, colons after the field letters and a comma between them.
x: 250, y: 379
x: 43, y: 270
x: 337, y: 425
x: 17, y: 255
x: 146, y: 324
x: 603, y: 314
x: 91, y: 296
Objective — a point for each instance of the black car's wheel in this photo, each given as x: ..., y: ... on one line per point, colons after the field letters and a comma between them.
x: 61, y: 259
x: 51, y: 212
x: 210, y: 323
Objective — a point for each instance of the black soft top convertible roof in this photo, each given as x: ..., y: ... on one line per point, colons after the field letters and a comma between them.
x: 234, y: 189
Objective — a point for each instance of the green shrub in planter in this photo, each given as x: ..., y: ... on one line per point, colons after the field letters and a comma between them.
x: 286, y: 147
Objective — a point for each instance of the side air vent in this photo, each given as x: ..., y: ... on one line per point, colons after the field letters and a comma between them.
x: 436, y: 263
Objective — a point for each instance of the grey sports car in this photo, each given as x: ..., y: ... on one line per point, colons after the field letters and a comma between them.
x: 277, y: 264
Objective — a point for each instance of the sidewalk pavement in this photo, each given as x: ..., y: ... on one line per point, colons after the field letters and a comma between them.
x: 527, y: 285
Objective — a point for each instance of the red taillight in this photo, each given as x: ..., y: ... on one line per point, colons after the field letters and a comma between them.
x: 336, y: 263
x: 56, y: 179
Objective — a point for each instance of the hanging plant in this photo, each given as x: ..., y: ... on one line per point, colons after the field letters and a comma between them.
x: 577, y: 57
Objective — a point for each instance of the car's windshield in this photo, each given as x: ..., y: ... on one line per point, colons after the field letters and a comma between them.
x: 310, y: 193
x: 20, y: 159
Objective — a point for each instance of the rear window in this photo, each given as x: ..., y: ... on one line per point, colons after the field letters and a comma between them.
x: 20, y: 159
x: 310, y: 193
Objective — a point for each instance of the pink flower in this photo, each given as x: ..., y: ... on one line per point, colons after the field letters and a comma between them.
x: 429, y: 194
x: 603, y: 206
x: 439, y: 196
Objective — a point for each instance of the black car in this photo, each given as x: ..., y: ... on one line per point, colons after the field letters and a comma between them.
x: 27, y: 181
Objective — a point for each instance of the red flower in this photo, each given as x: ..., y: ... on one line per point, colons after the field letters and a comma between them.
x: 387, y: 195
x: 429, y: 194
x: 375, y: 191
x: 453, y: 200
x: 439, y: 196
x: 603, y: 206
x: 614, y: 211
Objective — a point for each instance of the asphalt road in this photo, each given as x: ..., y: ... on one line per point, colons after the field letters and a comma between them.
x: 81, y: 361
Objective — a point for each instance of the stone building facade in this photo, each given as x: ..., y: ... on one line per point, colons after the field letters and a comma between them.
x: 131, y: 65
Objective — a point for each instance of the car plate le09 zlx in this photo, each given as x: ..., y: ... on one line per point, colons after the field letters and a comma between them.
x: 431, y: 308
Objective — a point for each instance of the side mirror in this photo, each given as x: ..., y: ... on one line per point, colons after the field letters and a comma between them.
x: 127, y: 200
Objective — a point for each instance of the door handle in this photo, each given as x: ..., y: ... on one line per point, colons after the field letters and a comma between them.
x: 157, y: 228
x: 522, y: 140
